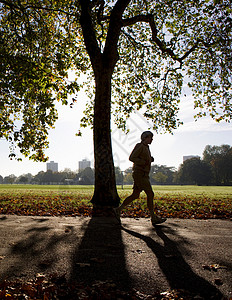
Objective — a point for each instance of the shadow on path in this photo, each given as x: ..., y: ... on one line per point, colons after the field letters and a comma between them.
x: 91, y: 251
x: 100, y: 255
x: 37, y: 250
x: 177, y: 271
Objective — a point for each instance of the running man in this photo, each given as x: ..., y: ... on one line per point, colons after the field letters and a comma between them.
x: 142, y: 159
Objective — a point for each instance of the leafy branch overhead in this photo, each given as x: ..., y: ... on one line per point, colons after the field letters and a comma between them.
x: 149, y: 47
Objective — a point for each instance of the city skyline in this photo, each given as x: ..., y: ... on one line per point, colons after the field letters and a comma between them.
x: 84, y: 163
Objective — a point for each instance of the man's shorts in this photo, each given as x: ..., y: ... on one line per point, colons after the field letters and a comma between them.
x: 141, y: 181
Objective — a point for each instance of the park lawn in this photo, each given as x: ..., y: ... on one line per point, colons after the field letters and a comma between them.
x: 170, y: 201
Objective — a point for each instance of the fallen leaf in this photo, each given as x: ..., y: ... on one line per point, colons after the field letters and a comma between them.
x: 138, y: 251
x: 206, y: 267
x: 83, y: 265
x: 218, y: 281
x: 215, y: 267
x: 39, y: 275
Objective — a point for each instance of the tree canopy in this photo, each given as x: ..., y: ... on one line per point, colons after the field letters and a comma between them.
x: 195, y: 171
x: 220, y: 160
x: 155, y: 44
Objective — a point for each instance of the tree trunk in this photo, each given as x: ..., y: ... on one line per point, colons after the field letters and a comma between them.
x: 105, y: 193
x: 103, y: 63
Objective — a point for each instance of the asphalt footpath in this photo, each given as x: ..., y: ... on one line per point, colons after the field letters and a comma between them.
x: 191, y: 255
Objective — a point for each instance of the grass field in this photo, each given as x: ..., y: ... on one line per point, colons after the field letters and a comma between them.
x: 170, y: 201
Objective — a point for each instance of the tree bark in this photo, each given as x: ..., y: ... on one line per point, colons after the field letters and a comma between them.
x: 105, y: 193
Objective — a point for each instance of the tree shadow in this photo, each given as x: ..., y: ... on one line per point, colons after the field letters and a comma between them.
x: 37, y: 251
x: 96, y: 252
x: 89, y: 252
x: 100, y: 255
x: 177, y: 271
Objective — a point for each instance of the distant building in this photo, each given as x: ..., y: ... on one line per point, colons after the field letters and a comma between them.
x: 189, y: 157
x: 84, y: 164
x: 53, y: 166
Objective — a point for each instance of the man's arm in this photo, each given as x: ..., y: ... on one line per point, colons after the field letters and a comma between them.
x: 134, y: 157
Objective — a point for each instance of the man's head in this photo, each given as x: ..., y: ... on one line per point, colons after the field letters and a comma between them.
x: 147, y: 137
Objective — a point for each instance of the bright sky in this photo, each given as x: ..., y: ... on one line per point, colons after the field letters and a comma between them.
x: 68, y: 149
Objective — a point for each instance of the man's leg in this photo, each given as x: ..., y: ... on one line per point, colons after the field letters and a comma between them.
x: 131, y: 198
x: 150, y: 204
x: 127, y: 201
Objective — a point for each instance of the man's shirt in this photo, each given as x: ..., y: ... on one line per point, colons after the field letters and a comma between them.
x: 141, y: 157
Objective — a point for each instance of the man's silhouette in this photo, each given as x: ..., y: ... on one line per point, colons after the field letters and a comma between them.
x: 142, y: 159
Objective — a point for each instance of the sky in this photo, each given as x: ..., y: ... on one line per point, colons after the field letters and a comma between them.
x: 67, y: 149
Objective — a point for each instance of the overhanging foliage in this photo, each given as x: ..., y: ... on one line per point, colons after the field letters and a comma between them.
x: 159, y: 43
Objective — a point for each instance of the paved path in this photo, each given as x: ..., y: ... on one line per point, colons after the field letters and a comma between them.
x: 195, y: 255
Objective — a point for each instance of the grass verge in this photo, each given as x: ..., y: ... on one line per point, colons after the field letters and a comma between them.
x: 170, y: 201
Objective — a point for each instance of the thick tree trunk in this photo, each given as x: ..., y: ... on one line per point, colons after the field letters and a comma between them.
x: 105, y: 193
x: 103, y: 63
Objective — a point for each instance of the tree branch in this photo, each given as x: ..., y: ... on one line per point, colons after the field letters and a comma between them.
x: 99, y: 20
x: 89, y: 33
x: 11, y: 5
x: 162, y: 46
x: 20, y: 7
x: 114, y: 31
